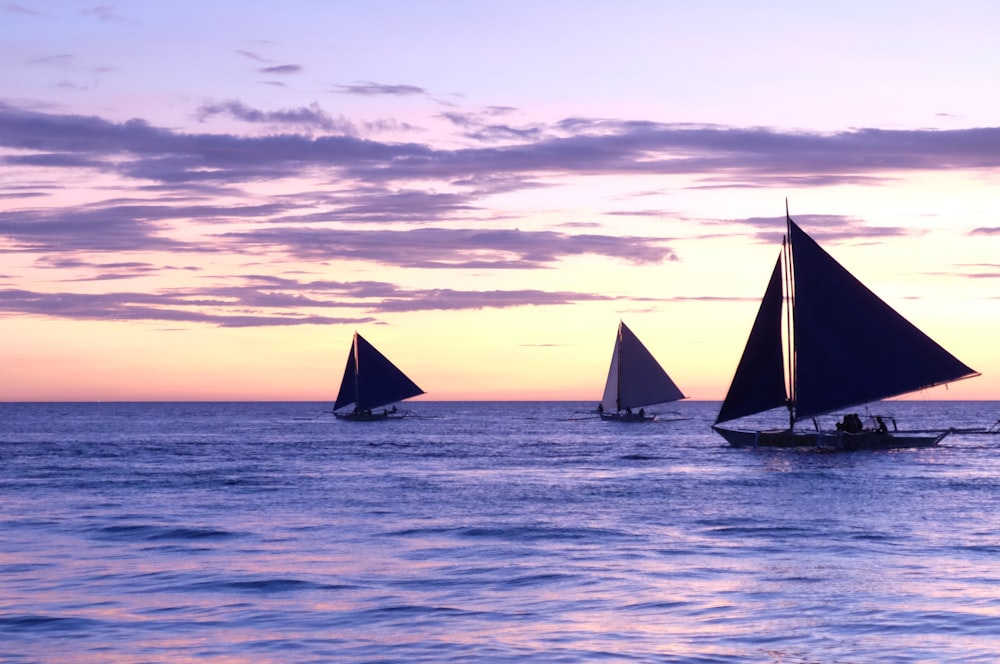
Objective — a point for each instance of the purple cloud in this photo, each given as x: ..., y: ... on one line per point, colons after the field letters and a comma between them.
x: 281, y: 69
x: 21, y: 9
x: 822, y: 227
x: 309, y: 117
x: 353, y: 189
x: 59, y: 60
x: 114, y: 228
x: 104, y: 13
x: 267, y: 301
x: 370, y: 89
x: 718, y: 155
x: 452, y: 248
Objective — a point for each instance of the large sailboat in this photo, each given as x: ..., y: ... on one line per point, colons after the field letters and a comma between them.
x: 635, y: 380
x: 843, y: 348
x: 371, y: 382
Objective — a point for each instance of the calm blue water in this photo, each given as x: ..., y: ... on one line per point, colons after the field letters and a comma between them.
x: 506, y: 532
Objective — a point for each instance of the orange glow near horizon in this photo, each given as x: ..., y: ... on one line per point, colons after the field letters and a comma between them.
x: 190, y: 223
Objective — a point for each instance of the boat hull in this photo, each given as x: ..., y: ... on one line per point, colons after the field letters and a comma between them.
x: 369, y: 416
x: 627, y: 417
x: 830, y: 440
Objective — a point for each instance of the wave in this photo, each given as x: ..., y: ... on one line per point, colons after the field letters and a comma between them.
x: 148, y: 533
x: 524, y: 533
x: 43, y: 623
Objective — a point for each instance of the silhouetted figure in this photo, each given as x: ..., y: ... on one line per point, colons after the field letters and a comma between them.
x: 852, y: 423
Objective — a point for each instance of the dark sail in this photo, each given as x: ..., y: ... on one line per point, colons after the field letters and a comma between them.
x: 852, y: 347
x: 759, y: 382
x: 348, y: 384
x: 371, y: 380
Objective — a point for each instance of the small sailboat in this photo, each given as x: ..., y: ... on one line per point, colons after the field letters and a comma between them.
x: 844, y: 347
x: 371, y: 382
x: 635, y: 380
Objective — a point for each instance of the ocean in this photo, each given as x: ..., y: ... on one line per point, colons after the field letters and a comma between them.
x: 487, y: 532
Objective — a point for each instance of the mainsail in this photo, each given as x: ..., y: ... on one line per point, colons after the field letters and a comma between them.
x: 371, y: 380
x: 759, y: 383
x: 848, y: 347
x: 635, y: 378
x: 851, y: 347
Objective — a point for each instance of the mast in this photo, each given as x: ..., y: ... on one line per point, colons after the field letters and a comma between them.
x: 357, y: 373
x: 790, y: 345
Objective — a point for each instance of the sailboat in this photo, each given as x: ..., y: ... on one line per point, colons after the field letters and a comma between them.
x: 843, y: 348
x: 635, y: 380
x: 371, y: 382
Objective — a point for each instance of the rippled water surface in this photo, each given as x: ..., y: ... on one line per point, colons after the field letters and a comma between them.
x: 271, y: 532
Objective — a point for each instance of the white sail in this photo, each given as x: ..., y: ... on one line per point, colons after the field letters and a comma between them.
x: 609, y: 402
x: 635, y: 378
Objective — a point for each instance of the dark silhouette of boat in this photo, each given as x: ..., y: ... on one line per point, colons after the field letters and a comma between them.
x: 370, y: 383
x: 843, y: 348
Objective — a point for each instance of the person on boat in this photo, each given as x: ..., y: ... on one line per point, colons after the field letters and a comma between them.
x: 600, y: 408
x: 642, y: 413
x: 628, y: 411
x: 852, y: 423
x: 882, y: 428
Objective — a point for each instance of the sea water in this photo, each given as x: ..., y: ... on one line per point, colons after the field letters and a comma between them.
x: 500, y: 532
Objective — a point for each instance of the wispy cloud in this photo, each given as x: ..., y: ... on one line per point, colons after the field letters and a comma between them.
x: 267, y: 301
x: 56, y: 60
x: 21, y: 9
x: 112, y: 228
x: 980, y: 270
x: 369, y: 89
x: 717, y: 154
x: 452, y: 248
x: 145, y: 307
x: 310, y: 117
x: 253, y: 55
x: 104, y: 13
x: 105, y: 271
x: 822, y: 227
x: 281, y: 69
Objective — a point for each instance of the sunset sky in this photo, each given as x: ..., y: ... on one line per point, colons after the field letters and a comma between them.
x: 205, y: 200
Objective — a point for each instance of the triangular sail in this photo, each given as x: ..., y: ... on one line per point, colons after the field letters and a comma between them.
x: 610, y: 401
x: 371, y: 380
x: 759, y: 382
x: 851, y: 347
x: 349, y: 383
x: 636, y: 379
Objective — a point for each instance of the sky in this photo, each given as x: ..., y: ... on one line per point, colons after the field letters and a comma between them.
x: 204, y: 201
